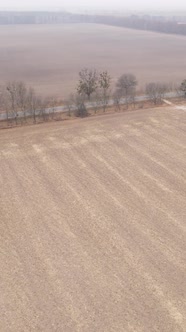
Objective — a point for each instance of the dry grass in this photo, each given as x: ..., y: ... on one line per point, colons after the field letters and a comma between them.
x: 92, y: 230
x: 49, y: 57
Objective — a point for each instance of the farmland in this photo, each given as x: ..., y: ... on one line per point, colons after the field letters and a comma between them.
x: 49, y: 57
x: 92, y: 227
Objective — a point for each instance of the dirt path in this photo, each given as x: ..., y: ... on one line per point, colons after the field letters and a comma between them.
x: 178, y: 107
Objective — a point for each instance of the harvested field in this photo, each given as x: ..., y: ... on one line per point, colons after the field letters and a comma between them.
x: 92, y: 227
x: 49, y: 57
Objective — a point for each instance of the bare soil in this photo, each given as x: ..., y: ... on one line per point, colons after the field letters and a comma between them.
x: 92, y: 227
x: 49, y: 57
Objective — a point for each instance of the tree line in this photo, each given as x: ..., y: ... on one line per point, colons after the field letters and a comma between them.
x: 161, y: 24
x: 94, y: 91
x: 140, y: 22
x: 18, y: 101
x: 38, y: 17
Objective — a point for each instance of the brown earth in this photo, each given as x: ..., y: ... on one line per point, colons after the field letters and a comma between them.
x: 92, y: 227
x: 49, y: 57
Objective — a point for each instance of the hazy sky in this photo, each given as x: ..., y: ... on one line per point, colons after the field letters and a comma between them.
x: 110, y: 4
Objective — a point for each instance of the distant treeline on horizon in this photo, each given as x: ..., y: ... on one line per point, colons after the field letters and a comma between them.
x: 173, y: 25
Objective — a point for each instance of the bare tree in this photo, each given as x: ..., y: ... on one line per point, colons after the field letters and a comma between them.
x: 126, y: 87
x: 51, y: 102
x: 183, y: 87
x: 18, y: 98
x: 156, y: 92
x: 80, y: 106
x: 4, y: 102
x: 24, y: 101
x: 43, y: 110
x: 177, y: 89
x: 69, y: 104
x: 104, y: 87
x: 96, y: 101
x: 13, y: 97
x: 117, y: 97
x: 33, y: 103
x: 22, y: 98
x: 88, y: 80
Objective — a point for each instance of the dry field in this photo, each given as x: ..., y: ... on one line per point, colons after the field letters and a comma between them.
x: 92, y: 227
x: 49, y: 57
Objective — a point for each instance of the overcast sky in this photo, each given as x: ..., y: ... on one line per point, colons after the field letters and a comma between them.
x: 110, y: 4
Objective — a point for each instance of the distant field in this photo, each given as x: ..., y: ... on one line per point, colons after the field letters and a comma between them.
x: 50, y: 56
x: 92, y: 224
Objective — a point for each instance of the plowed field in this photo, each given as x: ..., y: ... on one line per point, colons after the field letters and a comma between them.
x: 49, y: 57
x: 92, y: 224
